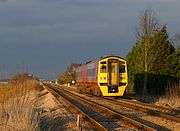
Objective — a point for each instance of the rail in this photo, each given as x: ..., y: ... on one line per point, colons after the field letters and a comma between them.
x: 135, y: 123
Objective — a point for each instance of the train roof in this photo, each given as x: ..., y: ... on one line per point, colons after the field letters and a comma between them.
x: 101, y: 58
x: 111, y: 56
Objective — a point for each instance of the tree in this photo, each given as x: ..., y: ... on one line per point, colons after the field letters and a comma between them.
x: 64, y: 78
x: 22, y: 76
x: 148, y: 25
x: 150, y: 54
x: 69, y: 75
x: 176, y: 40
x: 134, y: 67
x: 161, y: 49
x: 174, y: 59
x: 174, y: 64
x: 71, y: 70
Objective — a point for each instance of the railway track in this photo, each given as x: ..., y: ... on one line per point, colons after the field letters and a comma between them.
x: 165, y: 119
x: 167, y: 110
x: 164, y: 112
x: 146, y: 109
x: 110, y: 117
x: 97, y: 125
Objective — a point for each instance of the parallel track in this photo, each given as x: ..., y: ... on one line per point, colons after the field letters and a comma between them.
x: 96, y: 124
x: 121, y: 117
x: 164, y: 112
x: 168, y: 110
x: 145, y: 110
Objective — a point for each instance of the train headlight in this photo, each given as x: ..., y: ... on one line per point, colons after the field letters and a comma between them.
x: 103, y: 78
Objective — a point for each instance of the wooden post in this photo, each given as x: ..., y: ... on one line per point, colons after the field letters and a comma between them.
x: 79, y: 122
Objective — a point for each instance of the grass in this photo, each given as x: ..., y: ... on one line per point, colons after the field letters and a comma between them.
x: 5, y: 85
x: 17, y: 106
x: 172, y: 96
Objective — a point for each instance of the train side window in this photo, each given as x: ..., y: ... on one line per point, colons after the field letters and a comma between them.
x: 91, y: 72
x: 103, y: 69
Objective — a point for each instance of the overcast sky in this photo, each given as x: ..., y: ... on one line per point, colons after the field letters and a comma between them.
x: 48, y: 35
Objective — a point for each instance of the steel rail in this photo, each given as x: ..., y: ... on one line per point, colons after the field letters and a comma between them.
x: 96, y: 124
x: 145, y: 110
x: 152, y: 106
x: 141, y: 109
x: 137, y: 124
x: 169, y: 109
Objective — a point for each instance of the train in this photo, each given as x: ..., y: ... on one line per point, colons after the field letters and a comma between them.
x: 106, y: 76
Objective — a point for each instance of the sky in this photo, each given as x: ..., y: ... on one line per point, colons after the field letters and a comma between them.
x: 45, y: 36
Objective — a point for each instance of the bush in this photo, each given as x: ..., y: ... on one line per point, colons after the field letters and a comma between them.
x: 65, y: 78
x: 17, y: 106
x: 172, y: 96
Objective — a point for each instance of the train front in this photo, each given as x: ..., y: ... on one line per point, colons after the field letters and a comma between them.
x: 112, y: 76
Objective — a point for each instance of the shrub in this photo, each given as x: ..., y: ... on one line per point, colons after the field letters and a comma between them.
x: 172, y: 96
x: 17, y: 106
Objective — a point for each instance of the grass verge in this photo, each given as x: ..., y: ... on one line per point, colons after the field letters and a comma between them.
x: 172, y: 96
x: 18, y: 106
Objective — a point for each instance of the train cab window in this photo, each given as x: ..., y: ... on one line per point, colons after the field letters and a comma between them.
x: 122, y: 69
x: 103, y: 62
x: 103, y: 69
x: 121, y: 62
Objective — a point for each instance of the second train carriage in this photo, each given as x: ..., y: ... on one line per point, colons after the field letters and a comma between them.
x: 106, y: 76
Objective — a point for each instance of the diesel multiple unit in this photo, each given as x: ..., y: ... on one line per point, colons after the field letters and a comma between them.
x: 106, y: 76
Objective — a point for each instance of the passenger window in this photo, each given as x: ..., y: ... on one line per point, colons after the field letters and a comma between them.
x: 103, y: 69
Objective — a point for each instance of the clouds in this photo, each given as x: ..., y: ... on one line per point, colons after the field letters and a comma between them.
x: 73, y: 30
x: 67, y: 21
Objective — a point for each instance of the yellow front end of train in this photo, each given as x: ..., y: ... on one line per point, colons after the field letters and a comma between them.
x: 112, y: 76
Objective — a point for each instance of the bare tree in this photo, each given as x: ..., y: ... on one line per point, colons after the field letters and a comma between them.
x: 148, y: 25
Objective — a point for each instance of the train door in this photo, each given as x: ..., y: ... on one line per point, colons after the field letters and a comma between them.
x: 113, y: 72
